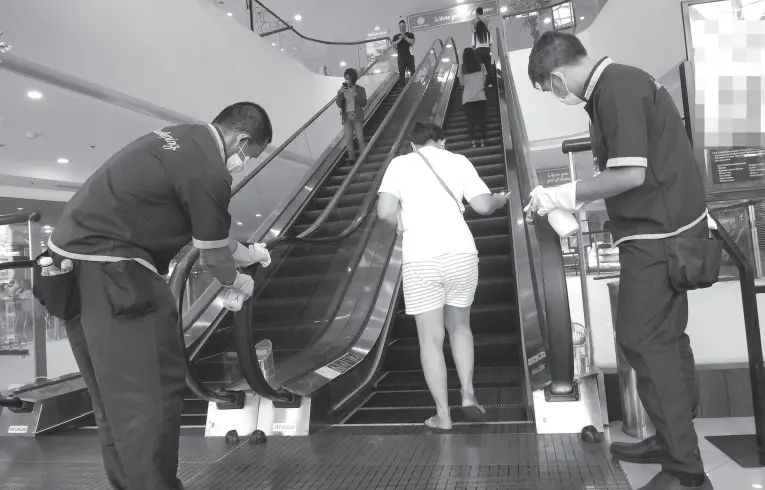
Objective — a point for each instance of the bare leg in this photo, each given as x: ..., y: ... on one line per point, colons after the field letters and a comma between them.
x: 430, y: 330
x: 461, y: 339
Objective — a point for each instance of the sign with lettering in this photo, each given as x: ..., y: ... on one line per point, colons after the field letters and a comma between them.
x: 452, y: 15
x: 284, y: 428
x: 18, y: 429
x: 338, y: 367
x: 737, y: 165
x: 554, y: 176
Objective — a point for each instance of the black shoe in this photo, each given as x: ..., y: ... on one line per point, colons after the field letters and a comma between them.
x: 665, y: 481
x: 644, y: 452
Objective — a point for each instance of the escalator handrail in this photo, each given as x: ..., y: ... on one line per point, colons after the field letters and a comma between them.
x: 369, y: 200
x: 300, y: 130
x: 242, y: 320
x: 551, y: 292
x: 322, y: 218
x: 289, y: 27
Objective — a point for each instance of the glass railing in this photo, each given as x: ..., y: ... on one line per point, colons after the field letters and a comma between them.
x: 306, y: 287
x: 281, y: 172
x: 545, y: 314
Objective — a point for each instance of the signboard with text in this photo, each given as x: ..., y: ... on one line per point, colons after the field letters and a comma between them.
x: 737, y: 165
x: 452, y: 15
x: 554, y: 176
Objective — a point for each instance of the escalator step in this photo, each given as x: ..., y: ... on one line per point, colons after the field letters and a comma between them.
x: 511, y: 376
x: 488, y: 226
x: 490, y: 350
x: 493, y: 245
x: 418, y: 416
x: 502, y: 396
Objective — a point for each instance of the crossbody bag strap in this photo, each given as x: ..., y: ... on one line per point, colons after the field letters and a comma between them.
x: 440, y: 181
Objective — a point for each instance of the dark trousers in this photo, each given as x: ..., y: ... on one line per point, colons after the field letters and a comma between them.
x: 135, y: 371
x: 650, y: 328
x: 484, y: 55
x: 405, y: 62
x: 476, y: 116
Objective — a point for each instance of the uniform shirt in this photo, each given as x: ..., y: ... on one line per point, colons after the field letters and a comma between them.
x: 635, y: 123
x: 149, y: 200
x: 404, y: 48
x: 432, y: 222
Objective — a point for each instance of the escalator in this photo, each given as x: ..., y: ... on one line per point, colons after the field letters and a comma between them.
x: 400, y: 395
x: 288, y: 288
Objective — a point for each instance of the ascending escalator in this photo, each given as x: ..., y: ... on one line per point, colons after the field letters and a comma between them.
x: 400, y: 394
x: 300, y: 281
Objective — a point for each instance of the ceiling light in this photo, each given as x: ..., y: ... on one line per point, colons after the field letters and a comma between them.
x: 34, y: 95
x: 445, y: 60
x: 282, y: 49
x: 273, y: 44
x: 378, y: 71
x: 230, y: 14
x: 460, y: 1
x: 62, y: 160
x: 298, y: 17
x: 547, y: 20
x: 449, y: 45
x: 239, y: 223
x: 342, y: 63
x: 395, y: 55
x: 257, y: 215
x: 581, y: 18
x: 503, y: 9
x: 20, y: 209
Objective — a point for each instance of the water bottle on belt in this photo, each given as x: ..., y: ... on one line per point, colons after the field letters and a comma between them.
x: 49, y: 269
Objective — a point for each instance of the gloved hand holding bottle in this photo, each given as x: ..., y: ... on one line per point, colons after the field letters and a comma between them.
x: 557, y: 203
x: 240, y: 291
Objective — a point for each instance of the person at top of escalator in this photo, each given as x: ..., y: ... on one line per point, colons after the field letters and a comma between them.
x: 422, y: 194
x: 655, y: 197
x: 404, y: 42
x: 121, y: 230
x: 482, y: 43
x: 352, y: 98
x: 473, y: 77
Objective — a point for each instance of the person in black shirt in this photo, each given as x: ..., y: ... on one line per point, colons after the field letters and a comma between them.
x: 404, y: 41
x: 654, y: 193
x: 121, y: 230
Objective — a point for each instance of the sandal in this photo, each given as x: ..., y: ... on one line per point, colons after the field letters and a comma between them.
x: 475, y: 413
x: 430, y: 424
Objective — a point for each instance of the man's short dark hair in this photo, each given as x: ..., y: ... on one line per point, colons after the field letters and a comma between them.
x: 402, y: 21
x: 479, y: 11
x: 424, y: 132
x: 249, y: 118
x: 551, y: 51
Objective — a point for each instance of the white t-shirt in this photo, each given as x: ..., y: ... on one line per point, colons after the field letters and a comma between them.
x: 433, y: 224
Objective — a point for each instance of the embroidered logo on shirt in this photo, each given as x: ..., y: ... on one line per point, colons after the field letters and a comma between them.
x: 171, y: 144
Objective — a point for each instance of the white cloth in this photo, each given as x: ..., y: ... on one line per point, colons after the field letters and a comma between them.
x: 432, y: 223
x: 256, y: 252
x: 448, y: 280
x: 547, y: 199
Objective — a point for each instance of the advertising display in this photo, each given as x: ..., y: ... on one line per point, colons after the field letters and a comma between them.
x: 376, y: 48
x: 452, y: 15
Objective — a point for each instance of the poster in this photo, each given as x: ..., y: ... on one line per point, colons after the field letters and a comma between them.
x: 737, y: 165
x: 452, y: 15
x: 376, y: 48
x: 554, y: 176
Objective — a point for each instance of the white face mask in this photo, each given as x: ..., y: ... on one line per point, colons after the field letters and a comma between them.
x: 569, y: 98
x: 236, y: 163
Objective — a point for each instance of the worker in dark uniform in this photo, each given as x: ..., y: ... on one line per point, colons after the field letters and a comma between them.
x: 121, y: 230
x: 404, y: 42
x: 653, y: 191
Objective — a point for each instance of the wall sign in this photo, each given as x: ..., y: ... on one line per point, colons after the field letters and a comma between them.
x: 452, y: 15
x: 554, y: 176
x: 737, y: 165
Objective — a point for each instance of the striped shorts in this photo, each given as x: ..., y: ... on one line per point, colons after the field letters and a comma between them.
x: 447, y: 280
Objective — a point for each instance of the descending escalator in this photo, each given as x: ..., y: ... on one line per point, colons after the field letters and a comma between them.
x: 400, y: 395
x: 301, y: 280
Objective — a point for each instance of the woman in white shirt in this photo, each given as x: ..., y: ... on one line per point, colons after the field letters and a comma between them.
x: 473, y: 78
x: 422, y: 194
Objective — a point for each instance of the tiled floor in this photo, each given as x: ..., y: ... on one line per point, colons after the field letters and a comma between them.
x: 489, y: 457
x: 724, y: 473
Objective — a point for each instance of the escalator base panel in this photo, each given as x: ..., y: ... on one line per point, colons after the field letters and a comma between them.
x: 338, y: 458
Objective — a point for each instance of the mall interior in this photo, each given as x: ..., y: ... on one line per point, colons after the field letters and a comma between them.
x: 317, y: 382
